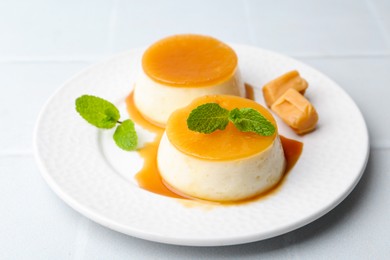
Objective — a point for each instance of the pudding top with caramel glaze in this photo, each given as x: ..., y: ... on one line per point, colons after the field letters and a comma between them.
x: 189, y: 60
x: 228, y: 144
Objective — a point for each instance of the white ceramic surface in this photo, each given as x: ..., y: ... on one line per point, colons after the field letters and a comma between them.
x: 81, y: 164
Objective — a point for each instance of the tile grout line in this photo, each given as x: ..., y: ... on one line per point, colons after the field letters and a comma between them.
x: 373, y: 10
x: 16, y: 153
x: 384, y: 145
x: 380, y: 148
x: 82, y: 237
x: 112, y: 25
x: 88, y: 59
x: 248, y: 24
x: 57, y: 59
x: 341, y: 56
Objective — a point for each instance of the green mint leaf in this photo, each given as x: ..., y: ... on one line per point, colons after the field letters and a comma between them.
x: 250, y: 120
x: 125, y: 136
x: 207, y: 118
x: 97, y: 111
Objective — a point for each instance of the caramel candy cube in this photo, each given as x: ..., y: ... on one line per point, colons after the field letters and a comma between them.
x: 296, y: 111
x: 277, y: 87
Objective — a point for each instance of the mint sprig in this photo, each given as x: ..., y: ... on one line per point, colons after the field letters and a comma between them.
x: 97, y: 111
x: 209, y: 117
x: 250, y: 120
x: 125, y: 136
x: 103, y: 114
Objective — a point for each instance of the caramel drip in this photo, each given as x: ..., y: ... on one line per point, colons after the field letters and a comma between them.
x: 292, y: 151
x: 150, y: 179
x: 249, y: 92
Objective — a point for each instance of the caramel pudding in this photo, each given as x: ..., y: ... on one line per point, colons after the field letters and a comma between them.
x: 180, y: 68
x: 227, y: 165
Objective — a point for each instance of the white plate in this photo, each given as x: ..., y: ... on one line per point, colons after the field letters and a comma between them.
x: 83, y: 166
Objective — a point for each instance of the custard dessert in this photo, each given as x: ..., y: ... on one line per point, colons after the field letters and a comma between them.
x: 226, y: 165
x: 180, y: 68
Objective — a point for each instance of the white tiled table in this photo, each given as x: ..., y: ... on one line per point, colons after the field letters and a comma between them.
x: 43, y: 43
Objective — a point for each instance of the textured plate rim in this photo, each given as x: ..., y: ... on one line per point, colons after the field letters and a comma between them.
x: 179, y: 241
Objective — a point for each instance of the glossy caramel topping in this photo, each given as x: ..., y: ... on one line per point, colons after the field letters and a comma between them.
x: 228, y: 144
x: 149, y: 177
x: 189, y: 60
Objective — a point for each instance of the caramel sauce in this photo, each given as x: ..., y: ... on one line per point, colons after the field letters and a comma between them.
x: 189, y: 60
x: 150, y: 179
x: 249, y: 92
x: 292, y: 151
x: 214, y: 146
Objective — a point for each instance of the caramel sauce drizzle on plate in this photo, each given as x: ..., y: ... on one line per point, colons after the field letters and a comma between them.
x: 149, y: 178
